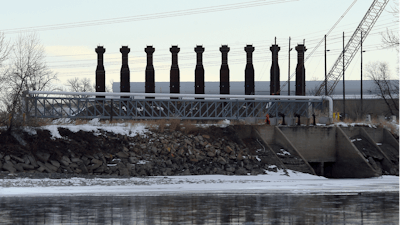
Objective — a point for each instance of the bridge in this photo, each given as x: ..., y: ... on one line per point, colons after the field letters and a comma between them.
x: 88, y: 105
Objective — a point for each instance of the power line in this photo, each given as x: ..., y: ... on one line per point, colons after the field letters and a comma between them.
x: 219, y: 8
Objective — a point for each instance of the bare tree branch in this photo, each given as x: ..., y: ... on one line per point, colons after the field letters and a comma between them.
x: 385, y: 88
x: 390, y: 38
x: 27, y: 70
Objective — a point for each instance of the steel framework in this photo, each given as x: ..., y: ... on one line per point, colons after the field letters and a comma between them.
x: 137, y: 107
x: 352, y: 47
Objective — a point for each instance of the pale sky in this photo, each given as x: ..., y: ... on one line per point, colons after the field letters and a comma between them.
x: 187, y: 23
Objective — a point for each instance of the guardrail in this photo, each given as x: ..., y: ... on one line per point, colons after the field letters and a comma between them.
x: 85, y: 105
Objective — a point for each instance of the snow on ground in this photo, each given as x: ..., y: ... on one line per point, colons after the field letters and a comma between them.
x: 271, y: 183
x: 95, y: 126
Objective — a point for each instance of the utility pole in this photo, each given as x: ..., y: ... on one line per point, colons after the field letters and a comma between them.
x: 289, y: 69
x: 344, y: 90
x: 326, y: 80
x: 362, y: 109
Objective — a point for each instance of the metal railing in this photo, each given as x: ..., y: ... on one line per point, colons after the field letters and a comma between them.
x: 85, y: 105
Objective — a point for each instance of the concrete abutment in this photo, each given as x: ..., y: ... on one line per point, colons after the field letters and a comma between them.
x: 335, y: 152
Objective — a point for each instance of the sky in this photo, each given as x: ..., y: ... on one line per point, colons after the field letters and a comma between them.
x: 70, y: 42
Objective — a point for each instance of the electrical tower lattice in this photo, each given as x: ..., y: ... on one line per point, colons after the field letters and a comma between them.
x: 350, y: 50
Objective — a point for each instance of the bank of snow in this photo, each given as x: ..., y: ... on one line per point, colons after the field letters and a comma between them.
x: 96, y: 127
x: 272, y: 183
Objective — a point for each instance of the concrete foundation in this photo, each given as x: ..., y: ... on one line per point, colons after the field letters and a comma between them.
x: 330, y: 152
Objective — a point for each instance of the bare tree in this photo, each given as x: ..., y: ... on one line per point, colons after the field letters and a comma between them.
x: 390, y: 39
x: 5, y: 48
x: 80, y: 85
x: 385, y: 88
x: 27, y: 70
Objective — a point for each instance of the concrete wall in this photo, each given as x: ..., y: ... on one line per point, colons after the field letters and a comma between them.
x: 375, y: 133
x: 349, y: 161
x: 315, y: 144
x: 328, y: 149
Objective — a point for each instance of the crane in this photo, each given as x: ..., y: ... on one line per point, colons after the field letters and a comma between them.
x: 353, y: 45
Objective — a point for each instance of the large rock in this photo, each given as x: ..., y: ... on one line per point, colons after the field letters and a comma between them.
x: 26, y: 160
x: 101, y: 169
x: 51, y: 167
x: 55, y: 163
x: 41, y: 169
x: 167, y: 172
x: 123, y: 155
x: 82, y: 167
x: 76, y: 160
x: 211, y: 153
x: 9, y: 167
x: 228, y: 149
x: 221, y: 160
x: 73, y: 165
x: 373, y: 163
x: 32, y: 160
x: 46, y: 166
x: 26, y: 166
x: 65, y: 161
x: 186, y: 172
x: 241, y: 171
x: 19, y: 167
x: 96, y: 161
x: 43, y: 156
x: 130, y: 166
x: 206, y: 136
x: 93, y: 167
x: 17, y: 158
x: 230, y: 169
x: 133, y: 160
x: 187, y: 141
x: 124, y: 172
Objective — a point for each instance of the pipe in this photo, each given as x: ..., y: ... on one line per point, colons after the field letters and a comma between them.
x: 329, y: 99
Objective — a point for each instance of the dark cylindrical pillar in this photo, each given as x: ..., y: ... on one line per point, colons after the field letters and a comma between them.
x: 174, y: 72
x: 300, y: 71
x: 150, y: 80
x: 199, y: 71
x: 100, y: 72
x: 274, y: 85
x: 125, y: 85
x: 249, y: 71
x: 224, y: 71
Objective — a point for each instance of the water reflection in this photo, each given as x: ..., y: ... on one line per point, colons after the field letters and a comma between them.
x: 379, y: 208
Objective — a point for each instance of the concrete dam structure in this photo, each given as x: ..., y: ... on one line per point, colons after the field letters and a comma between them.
x: 333, y: 152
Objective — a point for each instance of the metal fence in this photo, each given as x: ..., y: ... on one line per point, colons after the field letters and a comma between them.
x: 135, y: 106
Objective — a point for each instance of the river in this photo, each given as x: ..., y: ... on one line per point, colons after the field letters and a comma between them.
x: 239, y: 208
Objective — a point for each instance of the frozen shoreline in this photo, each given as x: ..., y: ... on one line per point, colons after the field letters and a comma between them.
x: 272, y: 183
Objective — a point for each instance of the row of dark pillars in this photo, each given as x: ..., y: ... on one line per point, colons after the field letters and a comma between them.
x: 199, y: 71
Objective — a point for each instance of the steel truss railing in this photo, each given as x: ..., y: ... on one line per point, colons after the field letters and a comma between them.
x: 130, y: 107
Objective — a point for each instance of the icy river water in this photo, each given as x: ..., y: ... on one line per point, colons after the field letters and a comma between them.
x: 367, y: 208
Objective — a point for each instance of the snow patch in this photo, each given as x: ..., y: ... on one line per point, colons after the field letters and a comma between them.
x: 283, y: 152
x: 96, y: 127
x: 273, y: 182
x: 53, y: 131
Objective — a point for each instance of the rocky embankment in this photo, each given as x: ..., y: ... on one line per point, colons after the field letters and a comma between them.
x: 212, y: 150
